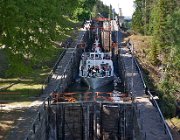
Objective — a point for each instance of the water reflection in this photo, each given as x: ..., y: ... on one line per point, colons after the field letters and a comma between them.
x: 81, y: 87
x: 80, y: 92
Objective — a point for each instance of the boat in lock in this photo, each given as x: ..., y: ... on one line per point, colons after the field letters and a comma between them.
x: 96, y: 67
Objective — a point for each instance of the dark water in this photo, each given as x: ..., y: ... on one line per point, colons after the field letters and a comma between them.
x: 82, y: 87
x: 79, y: 91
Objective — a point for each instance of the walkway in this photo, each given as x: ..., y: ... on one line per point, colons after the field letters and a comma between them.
x: 57, y: 75
x: 149, y: 121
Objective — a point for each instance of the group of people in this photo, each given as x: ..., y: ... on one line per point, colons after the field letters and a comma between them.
x: 93, y: 71
x: 97, y: 71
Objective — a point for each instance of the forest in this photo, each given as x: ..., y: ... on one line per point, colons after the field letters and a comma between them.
x: 28, y: 28
x: 159, y: 21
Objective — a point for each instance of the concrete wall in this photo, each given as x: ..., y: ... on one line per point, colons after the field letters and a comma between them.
x: 43, y: 127
x: 90, y: 121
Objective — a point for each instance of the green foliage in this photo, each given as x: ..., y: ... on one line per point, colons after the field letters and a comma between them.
x: 173, y: 38
x: 83, y: 12
x: 167, y: 102
x: 17, y: 67
x: 161, y: 19
x: 28, y: 27
x: 137, y: 19
x: 168, y: 106
x: 141, y: 16
x: 99, y: 7
x: 128, y: 25
x: 160, y: 31
x: 153, y: 55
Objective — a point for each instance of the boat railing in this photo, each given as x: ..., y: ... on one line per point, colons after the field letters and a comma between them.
x: 85, y: 73
x: 96, y: 56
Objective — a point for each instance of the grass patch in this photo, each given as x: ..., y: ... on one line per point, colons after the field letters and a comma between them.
x: 153, y: 75
x: 20, y: 94
x: 174, y: 123
x: 22, y: 88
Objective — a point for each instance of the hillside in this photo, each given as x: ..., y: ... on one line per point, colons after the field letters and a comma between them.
x: 170, y: 104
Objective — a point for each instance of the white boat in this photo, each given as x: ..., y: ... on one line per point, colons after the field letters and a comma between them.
x: 96, y: 67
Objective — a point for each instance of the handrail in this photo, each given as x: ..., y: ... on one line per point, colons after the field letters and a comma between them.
x: 52, y: 71
x: 47, y: 99
x: 161, y: 115
x: 55, y: 66
x: 38, y: 117
x: 151, y: 96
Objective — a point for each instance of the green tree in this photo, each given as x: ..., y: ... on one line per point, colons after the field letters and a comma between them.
x: 137, y: 18
x: 162, y: 9
x: 28, y: 27
x: 161, y: 18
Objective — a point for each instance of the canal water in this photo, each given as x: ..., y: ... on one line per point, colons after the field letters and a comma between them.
x: 79, y: 91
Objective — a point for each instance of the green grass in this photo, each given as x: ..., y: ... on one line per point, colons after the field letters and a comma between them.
x: 30, y: 85
x: 20, y: 94
x: 174, y: 122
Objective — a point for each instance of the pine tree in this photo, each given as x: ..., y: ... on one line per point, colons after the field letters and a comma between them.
x: 137, y: 18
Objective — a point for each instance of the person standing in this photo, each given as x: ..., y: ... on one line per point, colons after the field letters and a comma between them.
x: 82, y: 69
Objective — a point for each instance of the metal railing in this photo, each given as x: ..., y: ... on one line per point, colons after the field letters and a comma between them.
x: 47, y: 80
x: 42, y: 109
x: 47, y: 102
x: 154, y: 102
x: 37, y: 120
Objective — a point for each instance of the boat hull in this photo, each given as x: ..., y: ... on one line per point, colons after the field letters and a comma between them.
x: 96, y: 82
